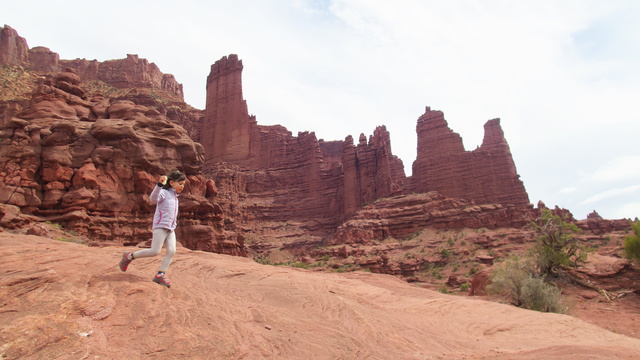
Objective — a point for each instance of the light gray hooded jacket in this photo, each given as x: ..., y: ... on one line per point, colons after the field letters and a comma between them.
x: 166, y: 209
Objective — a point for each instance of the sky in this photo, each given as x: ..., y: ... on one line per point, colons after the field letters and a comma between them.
x: 562, y: 75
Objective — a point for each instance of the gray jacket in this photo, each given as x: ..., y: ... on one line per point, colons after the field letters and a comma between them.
x: 167, y: 209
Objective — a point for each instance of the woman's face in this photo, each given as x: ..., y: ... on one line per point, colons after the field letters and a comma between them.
x: 178, y: 186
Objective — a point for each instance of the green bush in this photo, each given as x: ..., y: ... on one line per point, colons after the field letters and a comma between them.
x: 632, y: 243
x: 557, y: 244
x: 541, y: 296
x: 516, y: 279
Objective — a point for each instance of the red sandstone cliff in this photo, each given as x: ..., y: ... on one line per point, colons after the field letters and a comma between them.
x: 13, y: 47
x: 303, y: 178
x: 298, y: 176
x: 77, y: 157
x: 131, y: 72
x: 486, y: 175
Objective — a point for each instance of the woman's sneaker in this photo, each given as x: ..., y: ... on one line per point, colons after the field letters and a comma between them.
x: 126, y: 260
x: 162, y: 280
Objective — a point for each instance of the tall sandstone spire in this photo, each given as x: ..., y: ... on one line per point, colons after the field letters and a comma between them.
x: 227, y: 129
x: 486, y: 175
x: 13, y: 48
x: 304, y: 176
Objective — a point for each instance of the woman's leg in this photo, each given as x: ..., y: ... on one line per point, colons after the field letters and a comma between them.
x: 159, y: 237
x: 171, y: 250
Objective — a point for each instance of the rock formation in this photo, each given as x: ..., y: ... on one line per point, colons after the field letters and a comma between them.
x: 13, y: 47
x: 400, y: 216
x: 287, y: 177
x: 82, y: 143
x: 128, y: 73
x: 73, y: 156
x: 297, y: 176
x: 486, y: 175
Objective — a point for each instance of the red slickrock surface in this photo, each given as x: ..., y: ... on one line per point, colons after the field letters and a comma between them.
x: 71, y: 301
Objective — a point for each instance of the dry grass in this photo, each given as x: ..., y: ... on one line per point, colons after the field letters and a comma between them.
x: 16, y: 83
x: 97, y: 86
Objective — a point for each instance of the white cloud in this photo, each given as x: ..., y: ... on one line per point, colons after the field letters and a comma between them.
x: 629, y: 210
x: 568, y: 190
x: 625, y: 167
x: 607, y: 194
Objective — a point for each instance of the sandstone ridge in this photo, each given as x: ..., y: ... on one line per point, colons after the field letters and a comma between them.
x: 131, y: 72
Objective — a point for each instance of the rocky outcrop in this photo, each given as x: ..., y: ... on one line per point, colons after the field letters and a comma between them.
x: 599, y: 226
x: 371, y: 172
x: 286, y: 176
x: 89, y: 163
x: 13, y: 48
x: 131, y: 72
x: 400, y: 216
x: 128, y: 73
x: 303, y: 177
x: 228, y: 130
x: 486, y: 175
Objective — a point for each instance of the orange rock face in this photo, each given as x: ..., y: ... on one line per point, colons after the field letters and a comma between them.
x: 486, y: 175
x: 13, y: 48
x: 288, y: 177
x: 131, y: 72
x: 297, y: 176
x: 90, y: 163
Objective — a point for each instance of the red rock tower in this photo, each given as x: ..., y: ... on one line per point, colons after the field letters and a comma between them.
x: 227, y: 128
x: 485, y: 175
x: 13, y: 48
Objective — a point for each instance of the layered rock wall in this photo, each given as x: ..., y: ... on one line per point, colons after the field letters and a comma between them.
x: 89, y: 163
x: 291, y: 176
x: 486, y: 175
x: 131, y: 72
x: 401, y: 216
x: 13, y: 48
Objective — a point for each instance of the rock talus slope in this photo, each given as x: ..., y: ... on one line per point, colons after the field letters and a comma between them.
x: 70, y: 301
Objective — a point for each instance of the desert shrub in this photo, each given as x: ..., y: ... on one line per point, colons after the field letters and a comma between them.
x: 16, y: 82
x: 542, y: 296
x: 262, y: 259
x: 517, y: 280
x: 464, y: 287
x: 445, y: 253
x: 97, y: 86
x: 508, y: 279
x: 632, y: 243
x: 557, y: 243
x: 72, y: 240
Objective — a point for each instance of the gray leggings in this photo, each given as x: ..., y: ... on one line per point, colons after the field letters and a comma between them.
x: 160, y: 236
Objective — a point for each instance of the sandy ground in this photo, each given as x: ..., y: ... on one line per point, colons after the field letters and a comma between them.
x: 61, y: 300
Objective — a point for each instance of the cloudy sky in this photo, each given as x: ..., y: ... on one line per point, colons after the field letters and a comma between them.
x: 562, y: 75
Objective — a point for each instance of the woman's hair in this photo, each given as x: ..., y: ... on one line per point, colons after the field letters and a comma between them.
x: 173, y: 175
